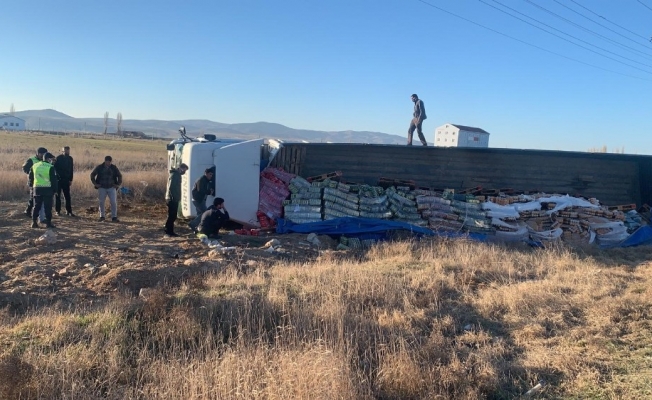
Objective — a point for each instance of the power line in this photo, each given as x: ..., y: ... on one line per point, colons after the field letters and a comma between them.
x: 569, y: 41
x: 645, y: 5
x: 595, y: 22
x: 585, y: 29
x: 611, y: 22
x: 530, y: 44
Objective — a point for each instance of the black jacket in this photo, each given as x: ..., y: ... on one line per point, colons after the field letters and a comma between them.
x: 106, y: 177
x: 212, y: 220
x: 64, y: 167
x: 203, y: 187
x: 173, y: 192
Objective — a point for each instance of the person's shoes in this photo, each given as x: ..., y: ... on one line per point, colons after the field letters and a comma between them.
x: 70, y: 214
x: 101, y: 219
x: 34, y: 224
x: 58, y: 213
x: 49, y: 225
x: 171, y: 234
x: 115, y: 219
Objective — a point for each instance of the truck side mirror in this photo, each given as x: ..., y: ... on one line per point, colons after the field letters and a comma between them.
x: 170, y: 147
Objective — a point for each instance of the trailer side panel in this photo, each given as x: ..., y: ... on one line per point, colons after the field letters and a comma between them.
x: 611, y: 178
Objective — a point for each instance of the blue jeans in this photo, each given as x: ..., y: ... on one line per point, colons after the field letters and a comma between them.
x: 201, y: 207
x: 102, y: 193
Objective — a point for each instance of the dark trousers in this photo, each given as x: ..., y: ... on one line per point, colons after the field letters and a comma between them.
x: 30, y: 202
x: 45, y: 201
x: 65, y: 188
x: 416, y: 124
x: 212, y: 230
x: 173, y: 208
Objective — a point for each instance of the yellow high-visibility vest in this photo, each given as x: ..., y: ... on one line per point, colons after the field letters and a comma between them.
x: 41, y: 171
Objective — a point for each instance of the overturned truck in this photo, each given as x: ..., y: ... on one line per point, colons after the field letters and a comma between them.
x: 614, y: 179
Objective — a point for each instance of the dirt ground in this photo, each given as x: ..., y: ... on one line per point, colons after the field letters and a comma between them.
x: 92, y: 260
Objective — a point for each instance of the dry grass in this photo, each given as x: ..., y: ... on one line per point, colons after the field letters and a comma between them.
x: 443, y: 319
x: 435, y: 319
x: 143, y: 163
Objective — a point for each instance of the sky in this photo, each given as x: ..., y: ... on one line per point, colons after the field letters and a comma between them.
x: 337, y: 65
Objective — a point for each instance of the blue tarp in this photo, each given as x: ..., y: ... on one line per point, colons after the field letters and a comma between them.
x: 361, y: 227
x: 370, y: 228
x: 642, y: 235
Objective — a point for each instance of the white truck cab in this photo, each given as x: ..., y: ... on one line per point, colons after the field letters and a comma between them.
x: 237, y: 163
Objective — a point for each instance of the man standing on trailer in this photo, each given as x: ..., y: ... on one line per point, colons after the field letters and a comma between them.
x: 107, y: 179
x: 418, y: 116
x: 173, y: 197
x: 64, y: 167
x: 27, y: 168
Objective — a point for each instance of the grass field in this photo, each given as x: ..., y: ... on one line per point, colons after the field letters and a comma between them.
x: 143, y: 163
x: 431, y: 319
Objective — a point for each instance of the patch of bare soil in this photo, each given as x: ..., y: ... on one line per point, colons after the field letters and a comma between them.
x: 92, y: 260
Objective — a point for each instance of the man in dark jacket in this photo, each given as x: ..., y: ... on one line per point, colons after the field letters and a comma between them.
x: 173, y: 197
x: 64, y: 167
x: 107, y: 179
x: 418, y: 116
x: 44, y: 182
x: 204, y: 187
x: 27, y: 167
x: 214, y: 218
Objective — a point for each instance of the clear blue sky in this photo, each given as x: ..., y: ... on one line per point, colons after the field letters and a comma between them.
x: 340, y: 64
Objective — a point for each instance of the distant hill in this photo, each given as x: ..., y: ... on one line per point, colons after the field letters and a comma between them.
x: 48, y: 113
x: 52, y: 120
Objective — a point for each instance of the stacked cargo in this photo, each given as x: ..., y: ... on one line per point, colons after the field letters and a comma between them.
x: 553, y: 217
x: 506, y: 216
x: 506, y: 221
x: 437, y: 211
x: 470, y: 212
x: 340, y: 201
x: 274, y: 184
x: 402, y: 203
x: 305, y: 201
x: 374, y: 202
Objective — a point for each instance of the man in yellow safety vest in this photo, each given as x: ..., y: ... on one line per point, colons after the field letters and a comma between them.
x: 44, y: 183
x: 27, y: 167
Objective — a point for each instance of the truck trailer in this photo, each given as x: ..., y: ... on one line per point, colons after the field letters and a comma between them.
x: 611, y: 178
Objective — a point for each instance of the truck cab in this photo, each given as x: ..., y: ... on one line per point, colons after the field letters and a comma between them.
x: 237, y: 163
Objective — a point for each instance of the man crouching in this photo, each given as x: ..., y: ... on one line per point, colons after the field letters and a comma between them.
x: 213, y: 219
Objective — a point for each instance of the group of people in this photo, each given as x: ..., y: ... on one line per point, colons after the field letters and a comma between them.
x: 49, y: 177
x: 209, y: 220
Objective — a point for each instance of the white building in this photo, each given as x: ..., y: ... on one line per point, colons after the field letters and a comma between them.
x: 454, y: 135
x: 11, y: 123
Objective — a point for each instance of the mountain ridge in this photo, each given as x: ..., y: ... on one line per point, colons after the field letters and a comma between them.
x: 53, y: 120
